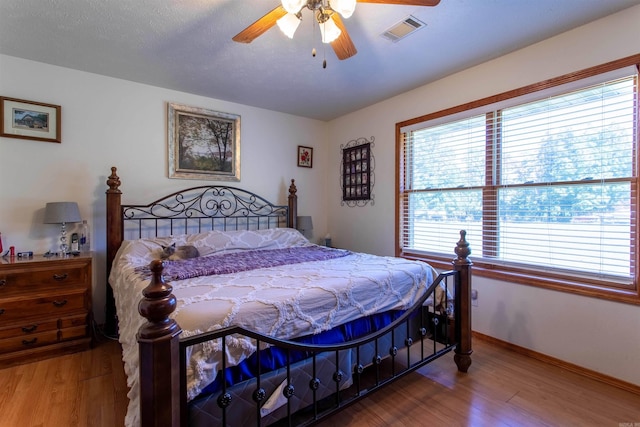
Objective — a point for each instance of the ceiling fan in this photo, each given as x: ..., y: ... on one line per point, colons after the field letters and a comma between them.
x: 327, y: 13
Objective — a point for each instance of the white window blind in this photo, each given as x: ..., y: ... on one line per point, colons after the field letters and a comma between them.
x: 537, y: 183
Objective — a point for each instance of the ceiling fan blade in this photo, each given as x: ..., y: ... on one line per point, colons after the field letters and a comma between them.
x: 259, y: 27
x: 343, y: 46
x: 405, y: 2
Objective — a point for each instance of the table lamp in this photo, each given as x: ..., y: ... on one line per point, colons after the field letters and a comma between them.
x: 305, y: 226
x: 62, y: 213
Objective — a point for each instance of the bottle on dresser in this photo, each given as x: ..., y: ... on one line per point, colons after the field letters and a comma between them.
x: 84, y: 237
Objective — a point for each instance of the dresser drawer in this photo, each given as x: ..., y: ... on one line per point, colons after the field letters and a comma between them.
x: 28, y: 328
x: 71, y: 333
x: 9, y: 345
x: 20, y: 282
x: 43, y: 305
x: 73, y: 327
x: 72, y: 321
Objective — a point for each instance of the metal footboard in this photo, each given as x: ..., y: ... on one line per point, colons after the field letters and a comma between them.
x: 331, y: 377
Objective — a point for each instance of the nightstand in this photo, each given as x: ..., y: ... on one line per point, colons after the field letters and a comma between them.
x: 45, y: 307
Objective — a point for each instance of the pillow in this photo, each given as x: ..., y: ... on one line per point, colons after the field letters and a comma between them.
x: 219, y: 242
x: 214, y: 242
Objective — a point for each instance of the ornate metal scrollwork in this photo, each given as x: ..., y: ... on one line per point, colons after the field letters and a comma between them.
x: 207, y: 202
x: 206, y: 208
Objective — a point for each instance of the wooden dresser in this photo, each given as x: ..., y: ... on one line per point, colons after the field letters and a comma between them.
x: 45, y: 307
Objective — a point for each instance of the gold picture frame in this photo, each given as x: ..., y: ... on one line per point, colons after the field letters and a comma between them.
x: 203, y: 144
x: 32, y: 120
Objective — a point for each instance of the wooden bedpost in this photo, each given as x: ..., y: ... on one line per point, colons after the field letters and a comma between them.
x: 293, y: 206
x: 462, y: 264
x: 114, y: 239
x: 159, y: 345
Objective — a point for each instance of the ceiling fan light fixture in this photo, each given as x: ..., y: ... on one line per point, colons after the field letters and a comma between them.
x: 329, y: 31
x: 344, y: 7
x: 288, y: 24
x: 293, y: 6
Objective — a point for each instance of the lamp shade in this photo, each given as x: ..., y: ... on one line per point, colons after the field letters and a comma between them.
x: 288, y: 24
x: 343, y: 7
x: 61, y: 212
x: 305, y: 223
x: 329, y: 31
x: 293, y: 6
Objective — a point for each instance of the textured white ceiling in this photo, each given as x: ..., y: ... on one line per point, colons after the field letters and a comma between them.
x: 186, y: 45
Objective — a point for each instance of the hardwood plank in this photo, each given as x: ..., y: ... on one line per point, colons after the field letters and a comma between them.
x: 81, y: 389
x: 502, y: 388
x: 96, y: 402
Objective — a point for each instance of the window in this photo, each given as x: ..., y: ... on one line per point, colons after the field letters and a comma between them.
x: 544, y: 183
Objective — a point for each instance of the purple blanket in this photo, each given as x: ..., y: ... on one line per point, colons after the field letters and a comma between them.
x: 243, y: 261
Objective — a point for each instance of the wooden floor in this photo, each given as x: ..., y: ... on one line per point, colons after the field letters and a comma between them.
x: 502, y: 388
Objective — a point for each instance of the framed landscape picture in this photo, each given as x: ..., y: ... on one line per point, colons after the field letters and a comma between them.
x: 203, y: 144
x: 30, y: 120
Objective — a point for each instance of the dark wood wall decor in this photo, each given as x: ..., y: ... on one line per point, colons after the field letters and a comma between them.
x: 356, y: 172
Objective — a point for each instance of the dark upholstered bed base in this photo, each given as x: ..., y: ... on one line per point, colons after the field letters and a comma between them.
x: 242, y: 410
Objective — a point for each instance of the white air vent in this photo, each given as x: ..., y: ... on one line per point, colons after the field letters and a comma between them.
x: 403, y: 29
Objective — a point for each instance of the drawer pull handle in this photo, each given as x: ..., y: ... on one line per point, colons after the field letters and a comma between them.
x: 60, y: 303
x: 29, y: 329
x: 3, y: 282
x: 29, y: 342
x: 1, y: 311
x: 60, y: 277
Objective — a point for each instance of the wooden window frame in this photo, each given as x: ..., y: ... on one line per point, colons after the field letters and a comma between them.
x: 533, y: 277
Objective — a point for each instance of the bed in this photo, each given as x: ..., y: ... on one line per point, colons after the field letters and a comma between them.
x: 265, y: 327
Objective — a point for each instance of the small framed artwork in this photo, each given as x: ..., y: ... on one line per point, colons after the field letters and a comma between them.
x: 203, y: 144
x: 305, y: 156
x: 30, y: 120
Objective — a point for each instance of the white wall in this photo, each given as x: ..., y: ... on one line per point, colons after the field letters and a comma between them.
x: 599, y: 335
x: 109, y: 122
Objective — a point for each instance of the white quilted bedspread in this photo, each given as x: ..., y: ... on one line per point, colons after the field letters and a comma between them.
x: 286, y: 302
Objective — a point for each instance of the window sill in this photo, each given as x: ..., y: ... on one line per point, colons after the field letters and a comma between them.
x: 560, y: 283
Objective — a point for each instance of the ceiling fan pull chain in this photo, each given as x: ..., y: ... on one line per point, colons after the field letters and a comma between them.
x: 324, y: 54
x: 313, y: 37
x: 324, y: 47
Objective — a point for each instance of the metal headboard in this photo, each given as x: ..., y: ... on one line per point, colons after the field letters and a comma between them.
x: 193, y: 210
x: 200, y: 209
